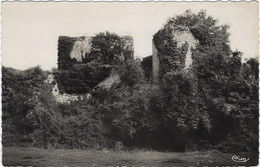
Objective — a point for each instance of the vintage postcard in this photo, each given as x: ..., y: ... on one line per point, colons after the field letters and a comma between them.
x: 130, y: 83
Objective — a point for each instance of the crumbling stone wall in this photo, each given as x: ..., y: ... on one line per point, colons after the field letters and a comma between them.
x: 183, y: 37
x: 72, y: 50
x: 81, y: 49
x: 109, y: 81
x: 64, y: 97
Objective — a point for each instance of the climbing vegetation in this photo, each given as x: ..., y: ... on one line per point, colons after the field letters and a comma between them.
x: 211, y: 105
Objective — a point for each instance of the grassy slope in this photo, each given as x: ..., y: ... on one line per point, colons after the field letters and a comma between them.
x: 61, y: 157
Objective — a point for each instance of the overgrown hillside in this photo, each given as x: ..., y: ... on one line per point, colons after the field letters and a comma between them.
x: 213, y: 104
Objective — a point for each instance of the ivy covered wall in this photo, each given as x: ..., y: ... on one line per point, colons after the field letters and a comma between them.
x: 169, y: 51
x: 65, y: 46
x: 83, y: 62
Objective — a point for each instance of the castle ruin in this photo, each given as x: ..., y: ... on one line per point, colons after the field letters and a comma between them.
x: 76, y: 53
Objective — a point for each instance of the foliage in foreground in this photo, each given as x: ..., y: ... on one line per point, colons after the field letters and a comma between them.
x: 137, y: 113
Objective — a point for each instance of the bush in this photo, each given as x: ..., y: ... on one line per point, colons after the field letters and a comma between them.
x: 131, y: 73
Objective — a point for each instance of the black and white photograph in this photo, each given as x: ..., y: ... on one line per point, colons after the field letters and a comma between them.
x: 128, y: 84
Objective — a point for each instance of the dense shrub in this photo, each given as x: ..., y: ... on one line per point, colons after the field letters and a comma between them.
x: 147, y: 66
x: 18, y: 88
x: 224, y: 92
x: 131, y: 73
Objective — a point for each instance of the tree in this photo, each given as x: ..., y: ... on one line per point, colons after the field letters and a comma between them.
x: 108, y: 46
x: 131, y: 72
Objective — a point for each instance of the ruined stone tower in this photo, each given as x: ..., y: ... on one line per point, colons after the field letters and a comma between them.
x: 84, y: 62
x: 182, y: 36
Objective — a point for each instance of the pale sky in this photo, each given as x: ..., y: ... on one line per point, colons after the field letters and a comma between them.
x: 30, y: 30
